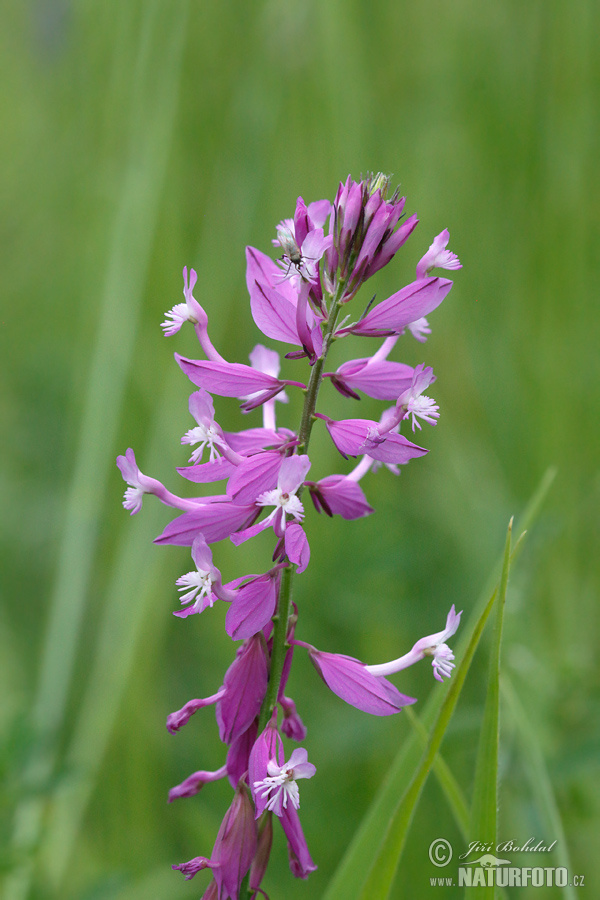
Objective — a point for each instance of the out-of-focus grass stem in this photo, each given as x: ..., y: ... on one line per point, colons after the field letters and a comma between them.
x: 151, y: 123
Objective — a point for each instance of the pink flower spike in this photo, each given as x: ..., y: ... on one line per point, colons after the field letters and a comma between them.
x: 437, y: 257
x: 278, y: 787
x: 433, y: 645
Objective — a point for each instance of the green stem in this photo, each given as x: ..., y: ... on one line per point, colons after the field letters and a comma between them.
x: 282, y: 615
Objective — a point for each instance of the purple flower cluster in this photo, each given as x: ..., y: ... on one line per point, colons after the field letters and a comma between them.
x: 300, y: 300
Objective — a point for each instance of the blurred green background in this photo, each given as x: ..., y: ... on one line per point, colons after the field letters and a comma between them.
x: 139, y: 137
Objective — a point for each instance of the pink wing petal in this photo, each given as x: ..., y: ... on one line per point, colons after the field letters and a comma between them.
x: 296, y: 546
x: 253, y: 476
x: 413, y: 302
x: 252, y: 608
x: 215, y: 521
x: 227, y: 379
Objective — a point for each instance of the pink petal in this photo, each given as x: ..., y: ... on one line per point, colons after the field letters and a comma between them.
x: 413, y: 302
x: 253, y: 476
x: 252, y: 608
x: 215, y: 521
x: 296, y: 546
x: 293, y: 472
x: 207, y: 472
x: 245, y: 686
x: 348, y: 678
x: 227, y: 379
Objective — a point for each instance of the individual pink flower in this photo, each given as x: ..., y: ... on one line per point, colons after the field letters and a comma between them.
x: 190, y: 311
x: 283, y: 498
x: 140, y: 484
x: 433, y: 646
x: 392, y: 316
x: 233, y: 380
x: 206, y: 431
x: 437, y: 257
x: 355, y: 437
x: 203, y: 585
x: 382, y: 379
x: 413, y: 402
x: 272, y: 780
x: 279, y: 787
x: 339, y: 495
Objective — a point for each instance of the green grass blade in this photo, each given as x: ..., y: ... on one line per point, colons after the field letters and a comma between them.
x: 539, y: 779
x: 450, y: 787
x: 484, y: 810
x: 376, y: 878
x: 131, y: 241
x: 350, y: 871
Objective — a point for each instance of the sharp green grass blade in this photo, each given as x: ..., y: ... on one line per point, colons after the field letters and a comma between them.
x: 484, y: 810
x: 448, y: 783
x: 350, y: 871
x: 378, y: 868
x: 384, y: 862
x: 539, y: 779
